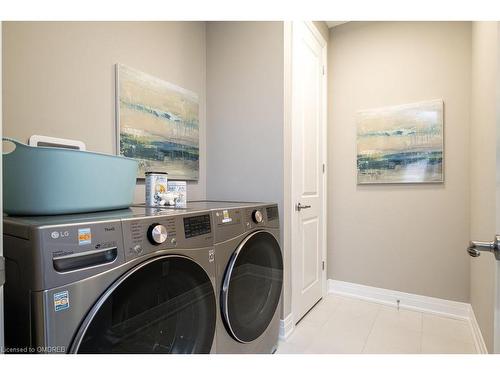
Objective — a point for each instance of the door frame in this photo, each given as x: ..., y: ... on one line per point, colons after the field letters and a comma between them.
x: 289, y: 199
x: 496, y: 313
x: 1, y: 207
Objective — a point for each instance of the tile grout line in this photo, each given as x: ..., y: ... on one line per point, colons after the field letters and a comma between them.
x: 371, y: 330
x: 324, y: 323
x: 335, y: 308
x: 312, y: 340
x: 460, y: 340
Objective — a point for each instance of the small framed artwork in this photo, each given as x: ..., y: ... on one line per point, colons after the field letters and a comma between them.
x: 401, y: 144
x: 157, y: 123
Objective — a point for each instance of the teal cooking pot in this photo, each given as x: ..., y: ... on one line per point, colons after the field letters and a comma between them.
x: 51, y: 181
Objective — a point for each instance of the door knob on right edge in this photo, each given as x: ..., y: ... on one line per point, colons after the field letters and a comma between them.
x: 475, y: 247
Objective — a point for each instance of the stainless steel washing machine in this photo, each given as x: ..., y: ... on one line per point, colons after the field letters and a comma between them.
x: 249, y: 272
x: 130, y: 281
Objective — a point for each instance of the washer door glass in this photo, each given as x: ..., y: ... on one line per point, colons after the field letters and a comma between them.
x: 166, y: 305
x: 252, y: 286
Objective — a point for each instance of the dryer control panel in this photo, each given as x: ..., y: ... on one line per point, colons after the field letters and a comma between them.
x: 231, y: 223
x: 228, y: 223
x: 265, y: 216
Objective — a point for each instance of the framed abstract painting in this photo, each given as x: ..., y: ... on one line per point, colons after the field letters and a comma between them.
x: 157, y: 124
x: 401, y: 144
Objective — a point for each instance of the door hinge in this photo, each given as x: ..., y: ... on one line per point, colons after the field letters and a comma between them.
x: 323, y: 265
x: 324, y: 167
x: 323, y: 70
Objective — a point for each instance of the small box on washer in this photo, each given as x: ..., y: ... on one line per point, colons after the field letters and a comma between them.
x: 178, y: 189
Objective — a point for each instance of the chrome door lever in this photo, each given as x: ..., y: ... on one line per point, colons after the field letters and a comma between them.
x: 299, y: 207
x: 475, y: 247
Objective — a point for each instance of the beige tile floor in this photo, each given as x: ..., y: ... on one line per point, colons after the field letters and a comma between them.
x: 347, y: 325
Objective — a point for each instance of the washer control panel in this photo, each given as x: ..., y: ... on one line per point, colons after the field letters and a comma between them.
x: 157, y: 234
x: 197, y: 225
x: 143, y: 236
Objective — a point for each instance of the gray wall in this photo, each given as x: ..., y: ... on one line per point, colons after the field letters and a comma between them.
x: 410, y: 238
x: 484, y: 120
x: 59, y: 81
x: 245, y: 113
x: 59, y: 77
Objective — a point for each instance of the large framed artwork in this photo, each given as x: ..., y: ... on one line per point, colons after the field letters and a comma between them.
x: 157, y: 124
x: 401, y: 144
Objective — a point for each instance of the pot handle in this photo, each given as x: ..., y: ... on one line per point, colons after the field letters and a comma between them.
x: 15, y: 142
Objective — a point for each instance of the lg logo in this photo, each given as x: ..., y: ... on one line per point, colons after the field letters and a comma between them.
x: 55, y: 235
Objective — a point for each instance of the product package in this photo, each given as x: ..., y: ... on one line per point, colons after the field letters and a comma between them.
x: 177, y: 193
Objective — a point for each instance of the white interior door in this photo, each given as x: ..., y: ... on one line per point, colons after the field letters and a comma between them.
x: 485, y: 182
x: 308, y: 168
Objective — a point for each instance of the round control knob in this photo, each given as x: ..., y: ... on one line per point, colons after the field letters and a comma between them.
x: 257, y: 216
x: 157, y: 234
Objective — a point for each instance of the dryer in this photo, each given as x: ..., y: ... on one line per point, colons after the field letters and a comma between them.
x: 130, y: 281
x: 249, y: 274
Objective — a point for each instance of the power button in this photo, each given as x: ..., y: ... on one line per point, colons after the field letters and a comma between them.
x: 137, y: 249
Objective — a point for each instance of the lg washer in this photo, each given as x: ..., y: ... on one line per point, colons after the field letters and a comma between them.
x: 130, y: 281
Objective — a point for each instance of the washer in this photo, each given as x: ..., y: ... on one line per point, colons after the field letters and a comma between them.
x: 130, y: 281
x: 249, y: 272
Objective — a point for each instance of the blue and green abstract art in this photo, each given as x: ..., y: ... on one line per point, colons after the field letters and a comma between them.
x: 158, y: 124
x: 401, y: 144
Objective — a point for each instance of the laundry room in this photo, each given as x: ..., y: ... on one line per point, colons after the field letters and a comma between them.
x: 112, y: 129
x: 283, y: 186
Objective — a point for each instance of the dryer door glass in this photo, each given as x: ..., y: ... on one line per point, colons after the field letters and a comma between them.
x: 166, y: 305
x: 252, y: 286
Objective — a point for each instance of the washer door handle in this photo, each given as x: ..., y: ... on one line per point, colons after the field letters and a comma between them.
x: 86, y: 259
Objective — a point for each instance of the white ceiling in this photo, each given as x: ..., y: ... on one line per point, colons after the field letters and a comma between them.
x: 335, y: 23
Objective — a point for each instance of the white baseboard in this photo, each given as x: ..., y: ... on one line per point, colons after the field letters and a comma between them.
x: 476, y: 333
x: 415, y: 302
x: 452, y: 309
x: 286, y: 326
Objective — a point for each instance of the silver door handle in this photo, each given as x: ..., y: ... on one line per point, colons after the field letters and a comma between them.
x: 475, y: 247
x: 299, y: 207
